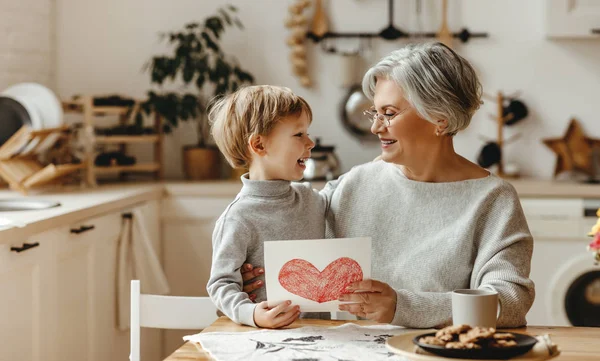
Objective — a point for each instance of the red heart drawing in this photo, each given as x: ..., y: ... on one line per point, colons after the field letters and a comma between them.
x: 301, y: 278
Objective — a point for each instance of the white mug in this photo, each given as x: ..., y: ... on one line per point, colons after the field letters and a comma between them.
x: 475, y: 307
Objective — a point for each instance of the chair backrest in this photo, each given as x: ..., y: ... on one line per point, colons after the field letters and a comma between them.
x: 170, y: 312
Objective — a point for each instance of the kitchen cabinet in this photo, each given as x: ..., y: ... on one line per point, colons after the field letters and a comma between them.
x: 559, y: 227
x: 26, y: 302
x: 187, y: 227
x: 572, y: 18
x: 75, y: 286
x: 59, y: 298
x: 105, y: 341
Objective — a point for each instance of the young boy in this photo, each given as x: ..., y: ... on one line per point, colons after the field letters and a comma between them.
x: 264, y: 129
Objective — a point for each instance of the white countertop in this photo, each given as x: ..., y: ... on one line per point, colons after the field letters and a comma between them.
x: 79, y: 204
x: 76, y: 205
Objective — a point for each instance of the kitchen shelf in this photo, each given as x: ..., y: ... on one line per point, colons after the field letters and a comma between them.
x: 85, y: 105
x: 78, y: 105
x: 149, y: 167
x: 119, y: 139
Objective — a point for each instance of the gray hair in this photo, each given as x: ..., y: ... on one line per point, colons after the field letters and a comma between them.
x: 436, y: 81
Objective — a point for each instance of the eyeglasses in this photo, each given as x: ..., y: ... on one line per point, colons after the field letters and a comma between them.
x: 384, y: 119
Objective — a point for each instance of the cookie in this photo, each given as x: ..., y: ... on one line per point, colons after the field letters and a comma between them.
x: 446, y: 337
x: 502, y: 343
x: 431, y: 340
x: 448, y: 333
x: 463, y: 345
x: 504, y: 336
x: 477, y: 334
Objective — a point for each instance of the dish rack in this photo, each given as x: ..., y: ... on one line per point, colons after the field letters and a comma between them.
x: 19, y: 164
x: 85, y: 105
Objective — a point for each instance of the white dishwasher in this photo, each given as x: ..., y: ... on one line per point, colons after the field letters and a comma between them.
x: 566, y: 280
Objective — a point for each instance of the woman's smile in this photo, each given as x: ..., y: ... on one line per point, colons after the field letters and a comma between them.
x: 386, y: 143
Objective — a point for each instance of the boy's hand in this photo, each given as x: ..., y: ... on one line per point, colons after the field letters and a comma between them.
x: 279, y: 316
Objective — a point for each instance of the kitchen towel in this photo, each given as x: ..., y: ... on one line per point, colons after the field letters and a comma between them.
x: 347, y: 342
x: 138, y: 260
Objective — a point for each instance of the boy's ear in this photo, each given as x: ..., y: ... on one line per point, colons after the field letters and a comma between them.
x: 256, y: 144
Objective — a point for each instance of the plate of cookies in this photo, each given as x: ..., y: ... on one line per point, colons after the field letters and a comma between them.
x: 462, y: 342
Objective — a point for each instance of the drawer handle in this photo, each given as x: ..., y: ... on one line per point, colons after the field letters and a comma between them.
x: 25, y: 247
x: 82, y: 229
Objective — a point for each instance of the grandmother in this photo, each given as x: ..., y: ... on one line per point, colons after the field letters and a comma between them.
x: 438, y: 222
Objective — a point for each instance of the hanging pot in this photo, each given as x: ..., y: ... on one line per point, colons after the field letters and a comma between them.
x: 352, y: 107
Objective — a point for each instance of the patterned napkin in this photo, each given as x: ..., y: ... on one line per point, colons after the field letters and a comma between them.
x: 347, y: 342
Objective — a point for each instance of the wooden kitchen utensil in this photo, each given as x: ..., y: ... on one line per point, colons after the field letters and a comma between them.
x: 319, y: 25
x: 444, y: 35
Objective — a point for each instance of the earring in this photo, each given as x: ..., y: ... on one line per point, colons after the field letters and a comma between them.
x: 437, y: 132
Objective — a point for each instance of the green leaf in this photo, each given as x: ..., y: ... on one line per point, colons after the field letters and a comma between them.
x: 188, y: 70
x: 160, y: 69
x: 239, y: 23
x: 192, y: 26
x: 200, y: 80
x: 243, y: 76
x: 232, y: 8
x: 215, y: 24
x: 182, y: 50
x: 209, y: 42
x: 221, y: 88
x: 225, y: 16
x: 213, y: 76
x: 222, y: 68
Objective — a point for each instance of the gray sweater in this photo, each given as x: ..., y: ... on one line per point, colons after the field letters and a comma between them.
x: 262, y: 211
x: 432, y: 238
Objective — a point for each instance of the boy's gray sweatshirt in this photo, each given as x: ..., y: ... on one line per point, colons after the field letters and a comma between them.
x: 262, y: 211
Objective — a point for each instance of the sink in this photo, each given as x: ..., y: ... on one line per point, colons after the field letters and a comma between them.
x: 22, y: 204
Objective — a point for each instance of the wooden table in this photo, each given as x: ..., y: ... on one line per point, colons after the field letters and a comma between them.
x: 575, y: 343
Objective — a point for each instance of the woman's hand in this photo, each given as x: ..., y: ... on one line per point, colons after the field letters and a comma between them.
x: 279, y: 316
x: 374, y: 300
x: 249, y: 273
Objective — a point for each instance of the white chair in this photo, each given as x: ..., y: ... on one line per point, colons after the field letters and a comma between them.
x: 169, y: 312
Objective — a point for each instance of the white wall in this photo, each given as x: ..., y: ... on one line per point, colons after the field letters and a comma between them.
x: 27, y: 42
x: 102, y: 46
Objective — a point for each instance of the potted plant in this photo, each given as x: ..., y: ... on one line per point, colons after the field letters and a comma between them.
x: 206, y: 71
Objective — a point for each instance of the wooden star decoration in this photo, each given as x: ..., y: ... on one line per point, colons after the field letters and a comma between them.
x: 574, y: 150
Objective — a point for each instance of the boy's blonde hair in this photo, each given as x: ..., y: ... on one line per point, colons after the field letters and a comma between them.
x: 249, y: 111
